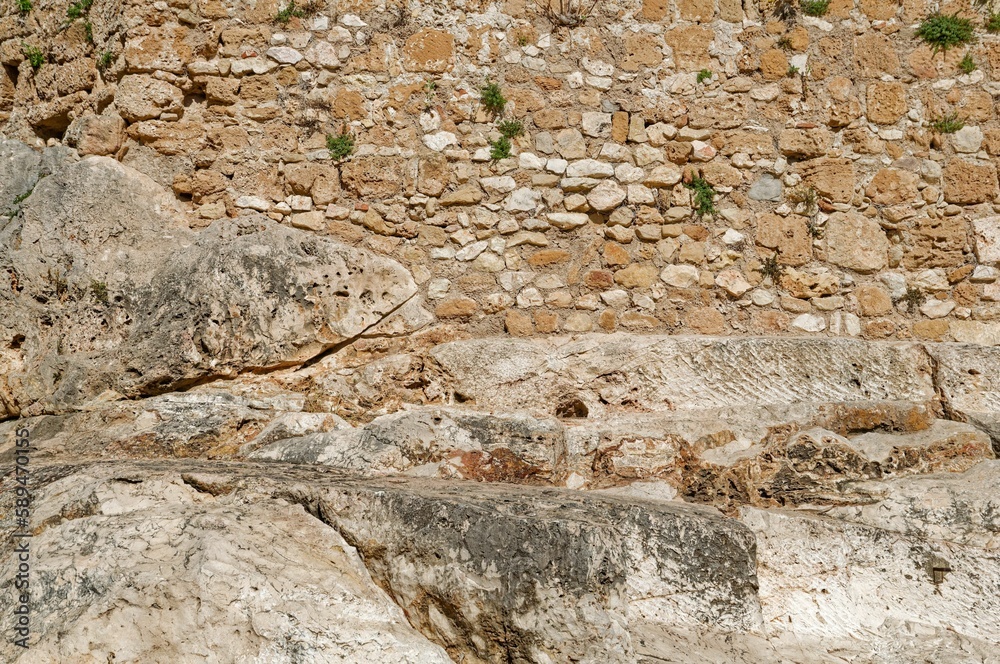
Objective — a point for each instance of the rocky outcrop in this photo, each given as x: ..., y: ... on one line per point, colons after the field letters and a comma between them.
x: 131, y: 565
x: 110, y: 292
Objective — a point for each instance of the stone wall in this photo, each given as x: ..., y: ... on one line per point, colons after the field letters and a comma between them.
x: 839, y: 210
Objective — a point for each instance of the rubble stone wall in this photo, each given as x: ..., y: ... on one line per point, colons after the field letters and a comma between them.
x: 837, y: 210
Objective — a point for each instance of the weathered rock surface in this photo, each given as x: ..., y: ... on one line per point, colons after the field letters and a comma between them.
x: 110, y: 291
x: 142, y: 566
x: 653, y: 374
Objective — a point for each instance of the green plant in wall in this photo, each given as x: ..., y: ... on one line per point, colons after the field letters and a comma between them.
x: 500, y: 148
x: 33, y: 54
x: 967, y: 65
x: 704, y: 196
x: 992, y: 23
x: 771, y: 268
x: 947, y: 124
x: 104, y: 60
x: 704, y: 75
x: 913, y: 298
x: 941, y: 31
x: 815, y: 8
x: 340, y: 146
x: 510, y: 128
x: 492, y: 99
x: 290, y: 11
x: 78, y: 9
x: 24, y: 6
x: 792, y: 71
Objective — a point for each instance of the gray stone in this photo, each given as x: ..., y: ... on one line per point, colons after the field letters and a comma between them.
x: 767, y: 188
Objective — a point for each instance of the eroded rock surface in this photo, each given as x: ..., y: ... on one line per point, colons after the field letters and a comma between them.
x: 110, y: 291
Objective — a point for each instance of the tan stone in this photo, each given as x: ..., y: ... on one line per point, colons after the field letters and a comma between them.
x: 433, y: 174
x: 731, y: 11
x: 222, y: 90
x: 690, y: 44
x: 142, y: 97
x: 706, y: 320
x: 470, y: 194
x: 788, y: 235
x: 856, y: 242
x: 886, y: 102
x: 654, y: 10
x: 808, y: 284
x: 258, y: 89
x: 97, y: 134
x: 873, y: 300
x: 429, y: 50
x: 879, y: 10
x: 373, y: 177
x: 773, y: 64
x: 937, y: 242
x: 550, y: 118
x: 615, y: 254
x: 701, y: 11
x: 637, y: 276
x: 619, y: 126
x: 457, y: 307
x: 892, y: 186
x: 608, y: 320
x: 874, y: 55
x: 546, y: 322
x: 641, y: 51
x: 720, y: 174
x: 548, y: 257
x: 718, y: 113
x: 991, y: 141
x: 968, y: 183
x: 348, y: 104
x: 804, y: 143
x: 518, y: 324
x: 166, y: 48
x: 831, y: 178
x: 932, y: 330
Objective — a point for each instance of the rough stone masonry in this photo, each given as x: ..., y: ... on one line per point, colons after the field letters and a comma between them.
x: 485, y: 332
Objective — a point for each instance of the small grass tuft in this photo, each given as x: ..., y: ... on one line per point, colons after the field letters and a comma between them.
x: 510, y: 128
x: 293, y: 10
x: 806, y: 197
x: 704, y: 196
x: 913, y: 298
x: 704, y: 75
x: 24, y: 6
x: 785, y: 43
x: 34, y: 55
x: 967, y: 65
x: 947, y: 124
x: 771, y: 268
x: 492, y: 99
x: 78, y: 9
x: 88, y: 29
x: 992, y: 23
x: 792, y: 71
x: 104, y: 60
x: 341, y: 146
x: 784, y: 10
x: 99, y: 289
x: 500, y: 148
x: 815, y: 8
x: 942, y: 32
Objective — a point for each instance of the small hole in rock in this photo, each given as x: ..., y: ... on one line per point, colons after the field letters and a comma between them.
x: 572, y: 408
